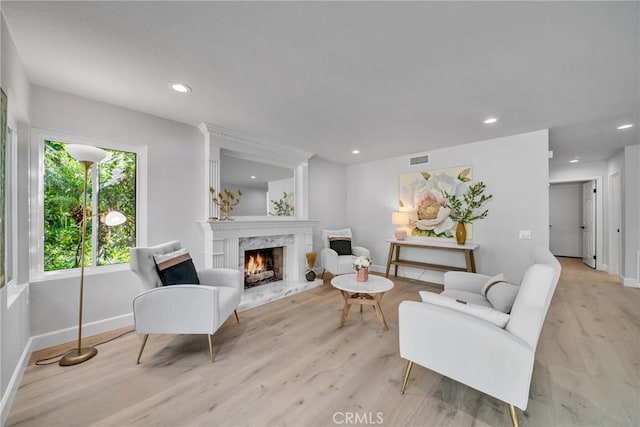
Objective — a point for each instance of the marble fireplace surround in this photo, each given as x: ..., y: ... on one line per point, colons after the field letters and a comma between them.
x: 226, y: 241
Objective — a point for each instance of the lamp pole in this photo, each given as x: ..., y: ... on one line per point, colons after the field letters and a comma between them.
x: 81, y: 354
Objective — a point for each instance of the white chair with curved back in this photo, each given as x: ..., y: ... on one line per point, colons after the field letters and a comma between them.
x: 337, y: 254
x: 457, y: 335
x: 182, y: 308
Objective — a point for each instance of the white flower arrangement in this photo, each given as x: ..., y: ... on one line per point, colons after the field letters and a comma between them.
x: 361, y: 262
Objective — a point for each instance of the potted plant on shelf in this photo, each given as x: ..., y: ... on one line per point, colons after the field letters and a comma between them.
x: 361, y: 265
x: 465, y: 211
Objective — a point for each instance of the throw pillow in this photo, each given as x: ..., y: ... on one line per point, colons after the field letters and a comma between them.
x: 491, y: 280
x: 342, y: 245
x: 491, y: 315
x: 501, y: 295
x: 176, y: 268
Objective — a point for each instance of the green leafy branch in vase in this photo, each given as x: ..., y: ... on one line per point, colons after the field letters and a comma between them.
x: 284, y: 206
x: 225, y: 200
x: 463, y: 210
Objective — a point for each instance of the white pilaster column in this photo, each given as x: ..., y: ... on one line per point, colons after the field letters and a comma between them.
x: 212, y: 170
x: 301, y: 189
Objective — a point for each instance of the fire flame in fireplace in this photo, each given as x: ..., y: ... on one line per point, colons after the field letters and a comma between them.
x: 255, y: 264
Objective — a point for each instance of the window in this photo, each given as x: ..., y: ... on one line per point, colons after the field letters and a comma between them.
x: 112, y: 185
x: 10, y: 214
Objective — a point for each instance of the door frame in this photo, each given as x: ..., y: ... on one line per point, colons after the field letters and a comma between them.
x: 615, y: 265
x: 600, y: 265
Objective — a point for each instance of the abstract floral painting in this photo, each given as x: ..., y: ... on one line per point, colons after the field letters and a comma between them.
x: 423, y: 194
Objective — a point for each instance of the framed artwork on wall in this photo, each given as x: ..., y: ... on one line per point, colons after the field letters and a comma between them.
x: 3, y: 150
x: 424, y: 195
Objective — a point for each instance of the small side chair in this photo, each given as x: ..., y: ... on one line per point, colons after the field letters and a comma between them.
x: 184, y: 308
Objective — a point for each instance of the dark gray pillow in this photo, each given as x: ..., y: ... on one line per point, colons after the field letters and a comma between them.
x: 342, y: 245
x: 176, y: 268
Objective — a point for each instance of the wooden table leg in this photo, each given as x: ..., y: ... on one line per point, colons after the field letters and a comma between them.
x: 391, y: 245
x: 395, y: 274
x: 471, y: 262
x: 379, y: 313
x: 345, y: 309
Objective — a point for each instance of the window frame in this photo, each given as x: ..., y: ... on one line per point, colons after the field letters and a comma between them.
x: 11, y: 207
x: 39, y: 136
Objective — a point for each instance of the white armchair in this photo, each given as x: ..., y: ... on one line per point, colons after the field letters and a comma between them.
x: 339, y: 264
x: 475, y: 352
x: 182, y: 309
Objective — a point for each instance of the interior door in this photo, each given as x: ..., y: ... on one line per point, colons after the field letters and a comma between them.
x: 565, y: 219
x: 589, y: 223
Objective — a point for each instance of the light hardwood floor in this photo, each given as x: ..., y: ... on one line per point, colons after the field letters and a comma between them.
x: 287, y: 364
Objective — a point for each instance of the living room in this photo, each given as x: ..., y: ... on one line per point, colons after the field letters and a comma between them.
x: 569, y: 105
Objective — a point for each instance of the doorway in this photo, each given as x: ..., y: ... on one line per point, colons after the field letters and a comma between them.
x: 573, y: 222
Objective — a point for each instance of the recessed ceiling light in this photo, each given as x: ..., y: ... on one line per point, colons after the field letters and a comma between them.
x: 180, y: 87
x: 574, y: 161
x: 252, y: 177
x: 627, y: 126
x: 490, y: 120
x: 355, y: 152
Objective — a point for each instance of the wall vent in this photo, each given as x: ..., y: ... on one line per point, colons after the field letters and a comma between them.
x: 420, y: 160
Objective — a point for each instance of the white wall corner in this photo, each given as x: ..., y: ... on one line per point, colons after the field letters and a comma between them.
x: 14, y: 383
x: 629, y: 282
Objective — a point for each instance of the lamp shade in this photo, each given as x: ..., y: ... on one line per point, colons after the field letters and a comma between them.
x: 86, y: 153
x: 113, y: 218
x: 400, y: 218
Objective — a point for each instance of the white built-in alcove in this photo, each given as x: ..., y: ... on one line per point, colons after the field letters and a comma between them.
x: 223, y: 239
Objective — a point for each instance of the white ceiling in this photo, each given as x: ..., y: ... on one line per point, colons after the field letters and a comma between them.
x: 387, y: 78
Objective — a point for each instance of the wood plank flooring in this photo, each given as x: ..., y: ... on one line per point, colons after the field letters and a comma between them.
x: 287, y: 364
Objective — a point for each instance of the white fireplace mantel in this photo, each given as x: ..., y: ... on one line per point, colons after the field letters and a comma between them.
x: 221, y: 246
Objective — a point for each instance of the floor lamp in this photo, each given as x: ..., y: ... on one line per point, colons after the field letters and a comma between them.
x: 86, y: 155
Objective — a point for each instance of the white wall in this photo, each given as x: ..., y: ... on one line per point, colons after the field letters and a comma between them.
x: 515, y: 171
x: 631, y: 216
x: 175, y: 167
x: 565, y: 219
x: 14, y: 314
x: 327, y: 197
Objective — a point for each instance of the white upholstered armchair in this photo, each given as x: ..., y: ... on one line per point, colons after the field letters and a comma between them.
x: 339, y: 263
x: 494, y: 360
x: 184, y: 308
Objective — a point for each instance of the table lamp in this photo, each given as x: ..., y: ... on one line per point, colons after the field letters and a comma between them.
x: 86, y: 155
x: 400, y: 218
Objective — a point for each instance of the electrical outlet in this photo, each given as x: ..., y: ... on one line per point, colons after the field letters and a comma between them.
x: 525, y: 234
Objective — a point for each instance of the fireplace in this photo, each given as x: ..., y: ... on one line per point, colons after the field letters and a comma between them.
x: 262, y: 266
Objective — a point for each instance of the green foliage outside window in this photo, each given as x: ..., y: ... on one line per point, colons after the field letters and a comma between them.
x: 116, y: 190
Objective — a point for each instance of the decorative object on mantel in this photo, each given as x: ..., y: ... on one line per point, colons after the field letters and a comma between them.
x: 284, y: 206
x: 225, y: 200
x: 400, y: 218
x: 464, y: 211
x: 310, y: 274
x: 361, y: 265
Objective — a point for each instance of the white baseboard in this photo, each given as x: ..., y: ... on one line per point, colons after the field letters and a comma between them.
x: 14, y: 383
x: 71, y: 334
x: 629, y: 282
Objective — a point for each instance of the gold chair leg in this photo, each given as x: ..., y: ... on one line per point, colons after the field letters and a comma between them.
x: 144, y: 342
x: 211, y: 346
x: 514, y: 415
x: 406, y: 376
x: 236, y: 313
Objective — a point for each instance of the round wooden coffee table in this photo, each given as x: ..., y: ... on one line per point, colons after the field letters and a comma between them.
x: 362, y: 293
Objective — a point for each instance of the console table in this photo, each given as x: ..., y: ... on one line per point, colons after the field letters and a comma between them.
x: 445, y: 245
